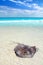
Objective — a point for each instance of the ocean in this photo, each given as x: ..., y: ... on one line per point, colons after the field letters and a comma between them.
x: 21, y: 21
x: 21, y: 18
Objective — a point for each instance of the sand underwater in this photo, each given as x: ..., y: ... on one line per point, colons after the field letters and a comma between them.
x: 26, y: 35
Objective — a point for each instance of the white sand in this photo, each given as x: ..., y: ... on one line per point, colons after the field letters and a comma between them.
x: 27, y: 35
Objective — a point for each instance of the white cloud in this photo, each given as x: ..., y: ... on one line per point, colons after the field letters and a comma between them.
x: 3, y: 11
x: 18, y: 2
x: 28, y: 0
x: 25, y: 3
x: 21, y: 1
x: 13, y: 0
x: 36, y: 6
x: 13, y: 12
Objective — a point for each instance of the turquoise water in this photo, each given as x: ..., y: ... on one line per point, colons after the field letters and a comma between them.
x: 21, y: 21
x: 21, y: 18
x: 21, y: 24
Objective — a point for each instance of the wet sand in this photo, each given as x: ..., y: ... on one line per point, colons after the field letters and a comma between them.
x: 32, y: 36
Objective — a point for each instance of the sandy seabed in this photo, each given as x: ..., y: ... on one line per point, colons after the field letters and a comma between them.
x: 27, y: 35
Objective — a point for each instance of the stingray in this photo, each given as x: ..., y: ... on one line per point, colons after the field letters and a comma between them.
x: 25, y: 51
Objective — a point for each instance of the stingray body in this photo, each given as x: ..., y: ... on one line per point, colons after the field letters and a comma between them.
x: 25, y: 51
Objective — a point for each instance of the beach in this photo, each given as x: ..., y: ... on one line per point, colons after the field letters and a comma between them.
x: 32, y: 36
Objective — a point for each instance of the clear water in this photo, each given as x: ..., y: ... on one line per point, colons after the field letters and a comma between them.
x: 21, y: 21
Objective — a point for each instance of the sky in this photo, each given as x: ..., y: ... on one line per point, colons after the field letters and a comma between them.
x: 21, y: 8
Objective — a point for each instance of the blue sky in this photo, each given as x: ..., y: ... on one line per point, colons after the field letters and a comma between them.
x: 21, y: 8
